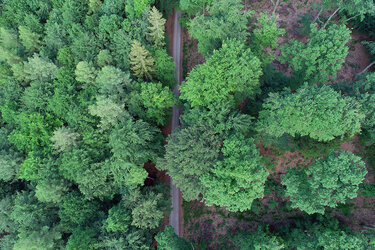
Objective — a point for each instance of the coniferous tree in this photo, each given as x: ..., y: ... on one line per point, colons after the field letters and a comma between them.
x: 142, y: 63
x: 157, y: 28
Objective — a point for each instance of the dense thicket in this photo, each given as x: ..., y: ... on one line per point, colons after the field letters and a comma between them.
x: 84, y: 85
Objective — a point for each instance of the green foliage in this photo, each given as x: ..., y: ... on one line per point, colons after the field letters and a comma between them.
x: 157, y: 29
x: 136, y: 7
x: 142, y: 63
x: 239, y: 178
x: 256, y: 240
x: 229, y: 76
x: 51, y: 190
x: 265, y: 37
x: 148, y: 205
x: 64, y: 139
x: 76, y: 211
x: 326, y: 183
x: 157, y: 100
x: 82, y: 238
x: 192, y: 6
x: 321, y: 57
x: 85, y: 72
x: 168, y: 240
x: 36, y: 68
x: 352, y: 8
x: 111, y: 82
x: 226, y: 20
x: 29, y: 39
x: 109, y: 112
x: 104, y: 58
x: 164, y: 68
x: 316, y: 111
x: 118, y: 220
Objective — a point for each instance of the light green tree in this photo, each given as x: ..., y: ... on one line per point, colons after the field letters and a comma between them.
x: 109, y: 112
x: 29, y: 39
x: 85, y: 72
x: 141, y: 62
x: 316, y: 111
x: 326, y: 183
x: 265, y: 37
x: 227, y: 77
x: 237, y: 179
x: 157, y: 28
x: 64, y: 139
x: 321, y: 56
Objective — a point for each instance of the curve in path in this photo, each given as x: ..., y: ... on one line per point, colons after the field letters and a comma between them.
x: 174, y: 218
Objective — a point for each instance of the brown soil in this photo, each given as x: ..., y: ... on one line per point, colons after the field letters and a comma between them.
x: 191, y: 57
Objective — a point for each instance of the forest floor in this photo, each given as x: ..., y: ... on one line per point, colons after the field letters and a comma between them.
x: 210, y: 224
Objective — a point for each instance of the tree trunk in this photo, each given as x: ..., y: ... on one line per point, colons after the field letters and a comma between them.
x: 330, y: 17
x: 274, y: 9
x: 367, y: 68
x: 317, y: 16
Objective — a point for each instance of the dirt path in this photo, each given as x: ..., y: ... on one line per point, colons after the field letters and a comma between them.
x: 176, y: 217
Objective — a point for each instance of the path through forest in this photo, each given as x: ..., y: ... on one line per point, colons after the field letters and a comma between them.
x: 174, y: 219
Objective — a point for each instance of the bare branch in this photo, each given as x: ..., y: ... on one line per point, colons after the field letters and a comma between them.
x: 330, y: 17
x: 367, y: 68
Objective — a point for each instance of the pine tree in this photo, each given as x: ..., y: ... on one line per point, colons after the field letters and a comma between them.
x: 142, y: 63
x: 157, y: 29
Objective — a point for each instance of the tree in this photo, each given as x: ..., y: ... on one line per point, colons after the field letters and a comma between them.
x: 168, y: 240
x: 157, y: 100
x: 104, y: 58
x: 164, y: 68
x: 315, y: 111
x: 190, y: 153
x: 265, y: 36
x: 51, y: 190
x: 38, y: 68
x: 64, y: 139
x: 142, y: 63
x: 225, y: 21
x: 135, y: 141
x: 82, y: 238
x: 109, y: 112
x: 76, y: 211
x: 193, y: 149
x: 111, y: 82
x: 256, y: 240
x: 239, y: 178
x: 328, y: 182
x: 35, y: 97
x: 192, y: 6
x: 147, y: 205
x: 29, y: 39
x: 136, y: 7
x: 321, y: 57
x: 85, y: 72
x: 118, y: 220
x: 157, y: 29
x: 352, y: 8
x: 227, y: 77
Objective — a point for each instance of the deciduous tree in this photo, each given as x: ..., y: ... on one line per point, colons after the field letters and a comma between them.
x: 316, y: 111
x: 229, y: 76
x: 226, y: 20
x: 321, y: 56
x: 327, y: 182
x: 239, y: 178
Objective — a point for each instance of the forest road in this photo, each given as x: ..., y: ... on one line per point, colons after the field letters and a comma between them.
x: 174, y: 218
